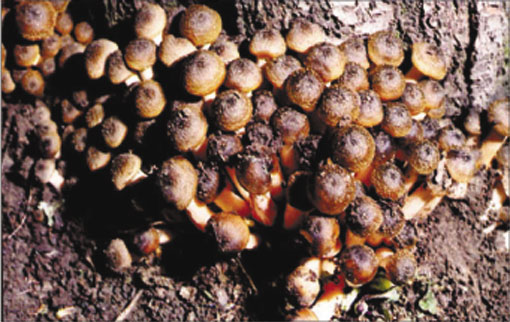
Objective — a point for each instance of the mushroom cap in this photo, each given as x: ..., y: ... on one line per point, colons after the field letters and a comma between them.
x: 462, y: 164
x: 173, y: 49
x: 8, y: 84
x: 149, y: 99
x: 64, y: 23
x: 355, y: 51
x: 353, y: 147
x: 140, y: 54
x: 35, y: 19
x: 50, y: 46
x: 243, y: 75
x: 83, y: 32
x: 50, y: 145
x: 393, y: 219
x: 385, y: 147
x: 72, y: 49
x: 354, y: 77
x: 428, y: 59
x: 226, y: 49
x: 177, y: 179
x: 79, y: 139
x: 499, y: 114
x: 331, y: 189
x: 187, y: 127
x: 388, y: 81
x: 26, y: 55
x: 388, y: 181
x: 124, y: 169
x: 371, y: 112
x: 232, y: 110
x: 60, y: 5
x: 267, y: 44
x: 230, y: 231
x: 264, y: 105
x: 364, y: 216
x: 209, y: 181
x: 433, y: 93
x: 304, y: 88
x: 303, y: 35
x: 116, y: 68
x: 44, y: 169
x: 32, y: 83
x: 150, y: 21
x: 96, y: 54
x: 413, y: 98
x: 424, y: 157
x: 147, y: 241
x: 451, y: 138
x: 114, y: 131
x: 277, y: 70
x: 385, y: 48
x: 326, y: 60
x: 415, y: 135
x: 472, y: 123
x: 97, y: 159
x: 303, y: 286
x: 203, y: 73
x: 323, y: 235
x: 358, y: 264
x: 47, y: 66
x: 290, y: 124
x: 223, y: 147
x: 401, y: 267
x: 338, y: 106
x: 117, y: 256
x: 253, y: 169
x: 200, y: 24
x: 397, y: 120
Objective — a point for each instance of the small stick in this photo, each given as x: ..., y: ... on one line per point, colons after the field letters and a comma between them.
x: 18, y: 228
x: 124, y: 314
x: 250, y: 280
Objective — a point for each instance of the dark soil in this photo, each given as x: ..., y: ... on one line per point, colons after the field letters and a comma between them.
x: 52, y: 261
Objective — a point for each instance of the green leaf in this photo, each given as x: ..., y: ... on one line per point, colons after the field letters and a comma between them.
x: 428, y: 303
x: 380, y: 284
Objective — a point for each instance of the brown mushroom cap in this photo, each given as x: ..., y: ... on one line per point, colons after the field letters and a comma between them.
x: 32, y: 83
x: 385, y: 147
x: 149, y: 99
x: 472, y: 123
x: 226, y: 49
x: 397, y: 120
x: 304, y: 88
x: 267, y: 44
x: 114, y: 131
x: 393, y: 220
x: 173, y: 49
x: 187, y: 127
x: 303, y: 35
x: 8, y: 85
x: 203, y: 73
x: 451, y: 138
x: 338, y: 106
x: 124, y: 169
x: 147, y: 241
x: 413, y: 98
x: 415, y: 135
x: 499, y: 114
x: 371, y: 111
x: 401, y: 267
x: 253, y: 169
x: 60, y: 5
x: 277, y: 70
x: 461, y: 164
x: 95, y: 56
x: 358, y: 264
x: 353, y: 147
x: 50, y: 145
x: 243, y: 75
x: 331, y: 189
x: 200, y: 24
x: 97, y: 159
x: 424, y: 157
x: 428, y: 59
x: 230, y: 231
x: 47, y: 66
x: 209, y: 181
x: 264, y: 105
x: 150, y: 21
x: 223, y: 147
x: 117, y: 256
x: 388, y: 181
x: 388, y: 82
x: 323, y: 235
x: 116, y: 68
x: 433, y: 93
x: 64, y: 23
x: 26, y: 55
x: 50, y: 46
x: 385, y: 48
x: 140, y: 54
x: 75, y: 48
x: 290, y: 124
x: 303, y: 286
x: 232, y: 110
x: 364, y: 216
x: 354, y: 77
x: 177, y: 180
x: 35, y: 19
x: 326, y: 60
x: 69, y: 112
x: 83, y: 32
x: 355, y: 51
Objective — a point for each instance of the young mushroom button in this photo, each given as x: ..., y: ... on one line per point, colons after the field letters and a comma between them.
x: 413, y: 98
x: 277, y: 70
x: 371, y: 111
x: 126, y: 170
x: 355, y: 51
x: 385, y: 48
x: 303, y: 35
x: 388, y: 181
x: 353, y: 147
x: 358, y: 264
x: 173, y: 49
x: 140, y: 55
x: 200, y: 24
x: 427, y: 61
x: 32, y: 83
x: 226, y: 49
x: 27, y: 55
x: 388, y: 82
x: 424, y: 157
x: 35, y: 19
x: 232, y: 110
x: 83, y: 32
x: 354, y: 77
x: 64, y: 23
x: 95, y: 57
x: 230, y: 231
x: 149, y: 99
x: 499, y: 114
x: 150, y: 22
x: 187, y: 127
x: 323, y: 235
x: 338, y: 106
x: 267, y: 44
x: 243, y: 75
x: 397, y: 120
x: 203, y: 73
x: 326, y: 60
x: 304, y: 88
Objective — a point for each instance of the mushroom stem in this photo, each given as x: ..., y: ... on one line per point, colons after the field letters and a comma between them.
x: 198, y: 213
x: 333, y: 300
x: 410, y: 178
x: 264, y: 209
x: 490, y: 146
x: 364, y: 175
x: 289, y: 159
x: 147, y: 74
x: 497, y: 199
x: 414, y: 74
x: 132, y: 80
x: 253, y: 242
x: 233, y: 177
x: 293, y: 217
x: 200, y: 151
x: 353, y: 239
x: 421, y: 202
x: 229, y: 201
x: 276, y: 188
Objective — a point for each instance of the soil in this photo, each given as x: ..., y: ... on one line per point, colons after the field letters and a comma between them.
x: 53, y: 266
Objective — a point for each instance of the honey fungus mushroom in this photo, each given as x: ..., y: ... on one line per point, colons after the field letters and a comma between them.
x: 243, y: 75
x: 200, y: 24
x: 150, y: 22
x: 462, y: 164
x: 499, y: 114
x: 35, y: 19
x: 83, y: 32
x: 267, y: 44
x: 331, y: 189
x: 232, y: 110
x: 203, y: 73
x: 364, y: 217
x: 27, y: 55
x: 173, y: 49
x: 388, y: 82
x: 304, y: 88
x: 354, y: 77
x: 355, y: 51
x: 64, y: 23
x: 323, y: 235
x: 96, y: 159
x: 226, y: 49
x: 303, y: 35
x: 413, y: 98
x: 385, y: 48
x: 388, y: 181
x: 264, y: 105
x: 433, y: 93
x: 303, y: 286
x: 371, y: 112
x: 253, y: 170
x: 117, y: 70
x: 230, y: 232
x: 114, y: 131
x: 96, y: 54
x: 338, y: 106
x: 353, y: 147
x: 149, y: 99
x: 358, y: 264
x: 427, y: 61
x: 277, y: 70
x: 326, y: 60
x: 8, y: 84
x: 290, y: 124
x: 125, y: 170
x: 140, y: 55
x: 50, y: 46
x: 397, y: 120
x: 187, y: 127
x: 33, y: 83
x: 424, y: 157
x: 401, y: 267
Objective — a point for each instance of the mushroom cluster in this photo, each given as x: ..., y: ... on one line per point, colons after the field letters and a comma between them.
x: 337, y: 145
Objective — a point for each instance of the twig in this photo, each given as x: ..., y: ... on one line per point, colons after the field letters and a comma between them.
x: 18, y: 228
x: 124, y: 314
x: 250, y: 280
